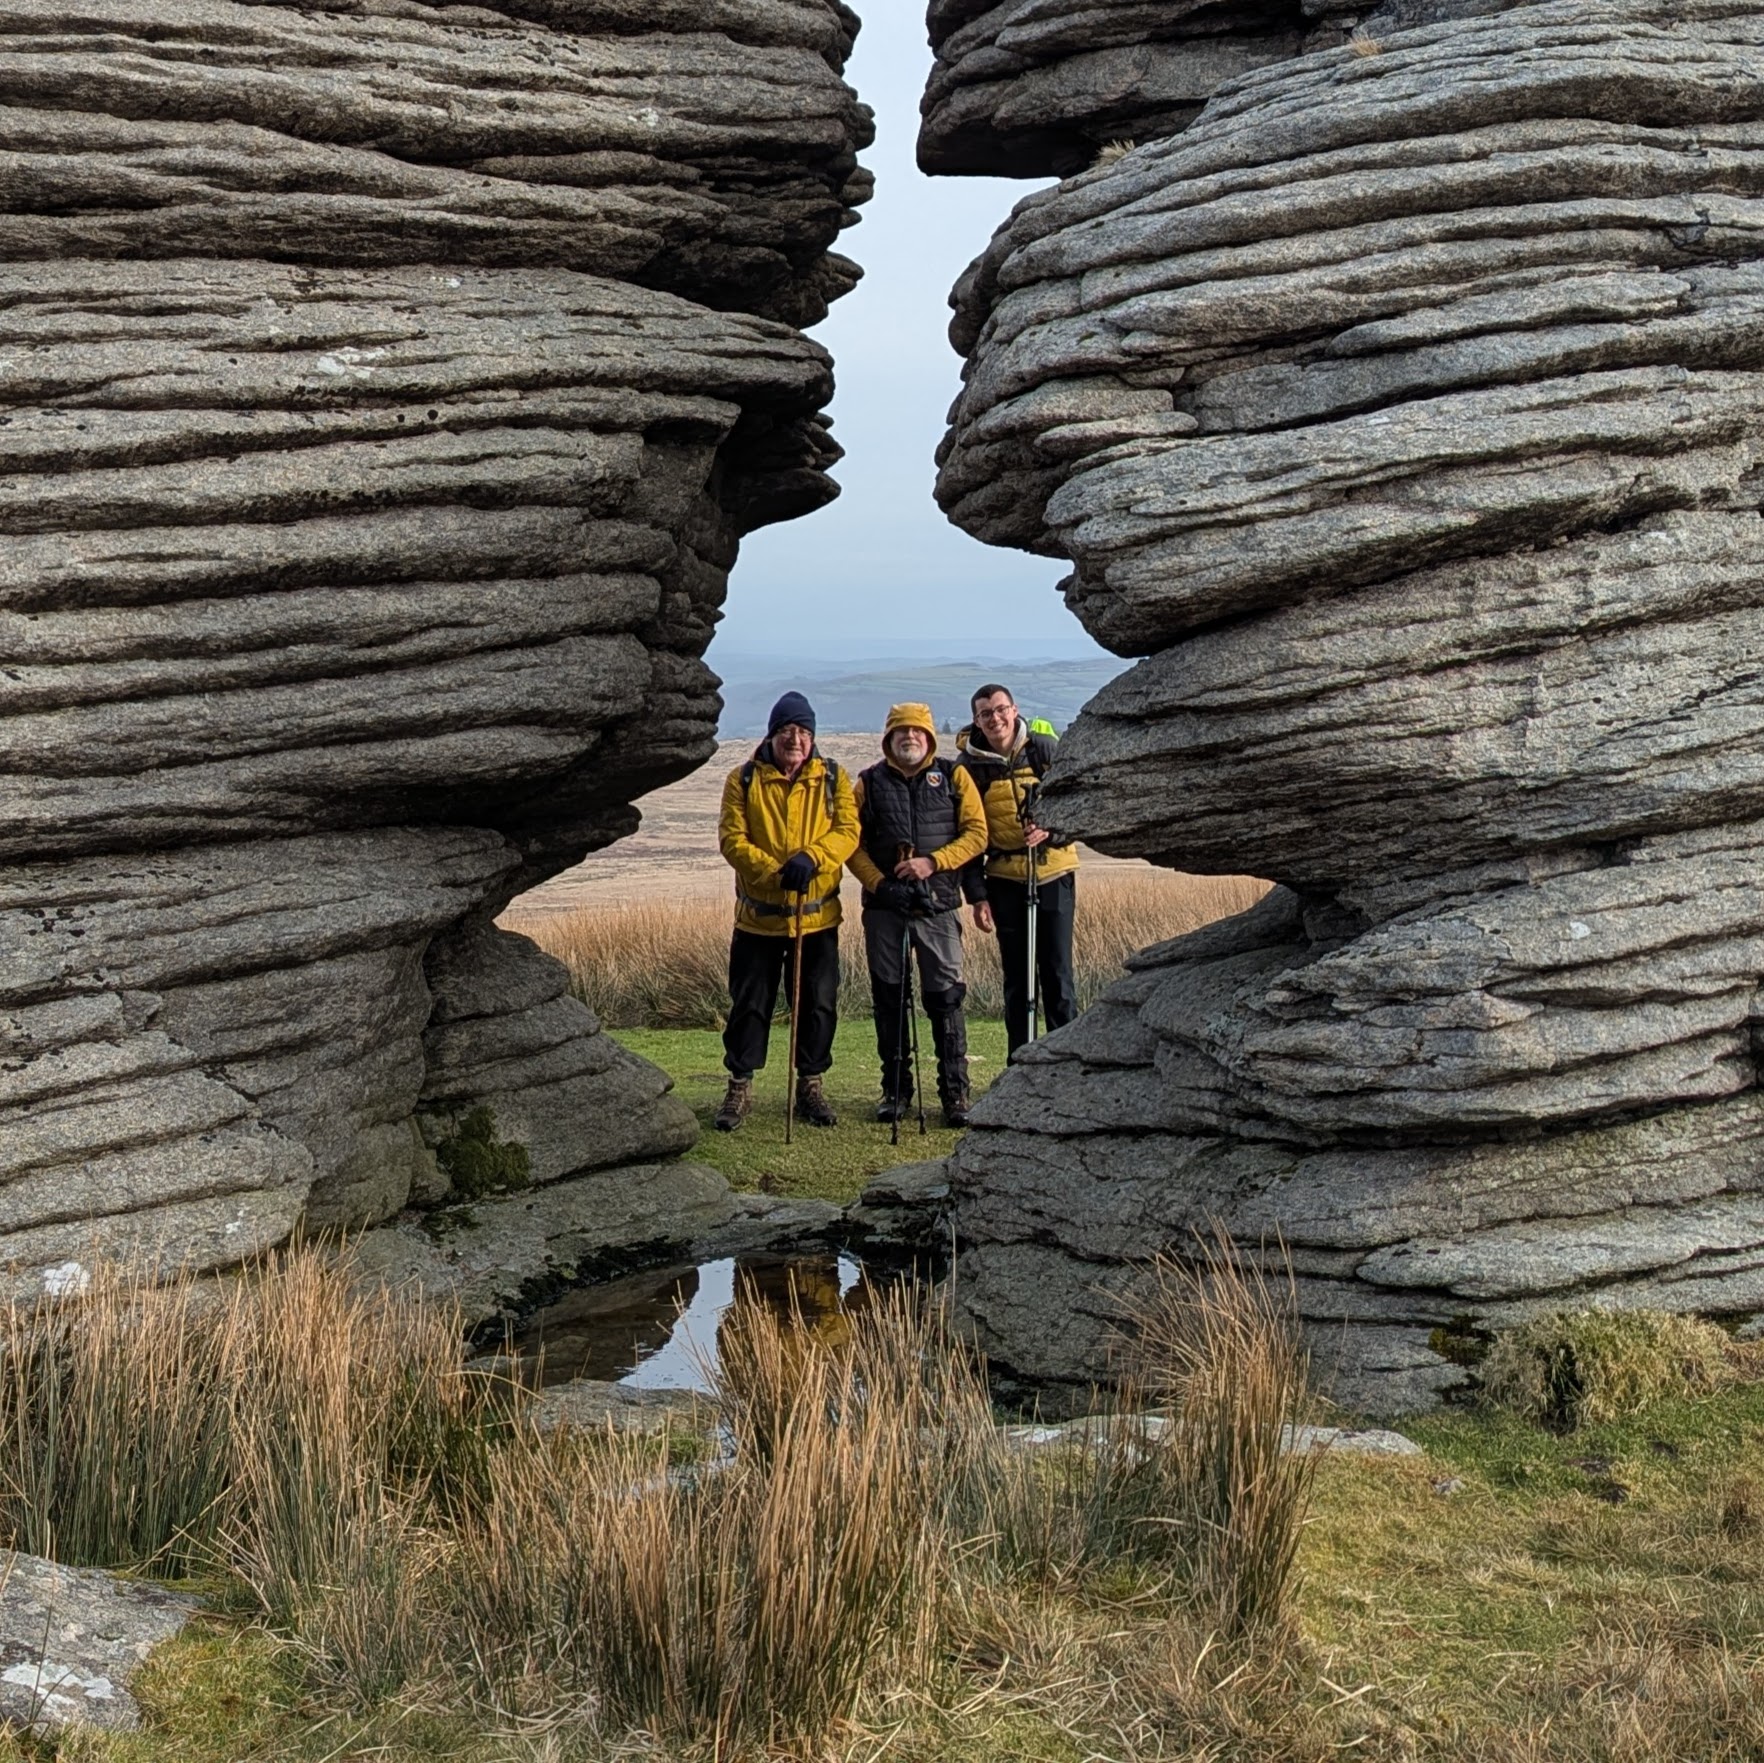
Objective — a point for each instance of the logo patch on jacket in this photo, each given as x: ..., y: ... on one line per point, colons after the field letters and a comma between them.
x: 934, y: 780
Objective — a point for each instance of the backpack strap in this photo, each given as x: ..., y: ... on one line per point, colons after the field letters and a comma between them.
x: 1038, y: 752
x: 831, y: 771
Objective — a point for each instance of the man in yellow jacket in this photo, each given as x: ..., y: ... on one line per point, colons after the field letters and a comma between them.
x: 922, y: 825
x: 788, y: 824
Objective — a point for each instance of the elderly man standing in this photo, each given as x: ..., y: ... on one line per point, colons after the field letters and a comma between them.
x: 1007, y: 760
x: 789, y: 821
x: 921, y: 824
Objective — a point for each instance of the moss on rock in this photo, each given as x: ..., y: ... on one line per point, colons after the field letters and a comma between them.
x: 476, y: 1162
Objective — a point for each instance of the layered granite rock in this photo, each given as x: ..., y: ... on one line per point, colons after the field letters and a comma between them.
x: 1037, y: 87
x: 1403, y: 413
x: 384, y: 391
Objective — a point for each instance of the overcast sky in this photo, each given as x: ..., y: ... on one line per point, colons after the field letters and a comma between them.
x: 881, y: 570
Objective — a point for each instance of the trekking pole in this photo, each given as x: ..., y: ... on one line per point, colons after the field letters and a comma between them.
x: 795, y: 1009
x: 904, y: 853
x: 1032, y: 914
x: 894, y: 1079
x: 913, y: 1022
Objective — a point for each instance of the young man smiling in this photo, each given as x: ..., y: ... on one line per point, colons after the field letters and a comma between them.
x: 1007, y: 761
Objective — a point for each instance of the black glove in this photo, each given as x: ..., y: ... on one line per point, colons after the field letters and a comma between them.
x: 796, y: 875
x: 911, y: 899
x: 895, y: 894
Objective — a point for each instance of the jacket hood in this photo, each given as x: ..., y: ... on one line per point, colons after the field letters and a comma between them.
x: 910, y: 716
x: 972, y: 742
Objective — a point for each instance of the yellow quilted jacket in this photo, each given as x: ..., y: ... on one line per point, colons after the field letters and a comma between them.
x: 1004, y: 780
x: 767, y: 819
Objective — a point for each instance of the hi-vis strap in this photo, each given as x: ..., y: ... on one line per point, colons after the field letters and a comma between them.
x: 765, y: 908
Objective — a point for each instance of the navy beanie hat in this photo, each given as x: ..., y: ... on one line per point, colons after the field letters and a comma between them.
x: 792, y: 707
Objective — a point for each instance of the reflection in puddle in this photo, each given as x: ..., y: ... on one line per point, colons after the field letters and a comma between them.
x: 658, y: 1330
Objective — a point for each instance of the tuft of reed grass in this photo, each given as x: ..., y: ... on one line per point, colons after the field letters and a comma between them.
x: 165, y: 1427
x: 756, y: 1604
x: 1218, y: 1344
x: 1585, y: 1367
x: 664, y: 963
x: 116, y: 1410
x: 1192, y: 1472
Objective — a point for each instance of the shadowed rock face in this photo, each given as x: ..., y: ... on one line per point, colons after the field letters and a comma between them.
x: 1031, y: 88
x: 384, y: 391
x: 1403, y: 413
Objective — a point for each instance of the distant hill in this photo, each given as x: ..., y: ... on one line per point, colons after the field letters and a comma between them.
x: 857, y: 703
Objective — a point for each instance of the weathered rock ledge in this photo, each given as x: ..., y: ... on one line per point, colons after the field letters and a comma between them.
x: 1402, y: 412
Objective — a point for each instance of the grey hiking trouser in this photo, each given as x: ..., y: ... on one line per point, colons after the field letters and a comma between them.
x: 937, y: 943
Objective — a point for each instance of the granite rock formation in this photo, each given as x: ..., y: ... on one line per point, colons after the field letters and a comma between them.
x: 384, y: 390
x: 1402, y: 411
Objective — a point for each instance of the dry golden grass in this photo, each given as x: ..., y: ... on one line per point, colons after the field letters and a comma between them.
x: 663, y: 963
x: 758, y: 1602
x: 158, y: 1426
x: 871, y: 1574
x: 419, y: 1545
x: 1218, y: 1347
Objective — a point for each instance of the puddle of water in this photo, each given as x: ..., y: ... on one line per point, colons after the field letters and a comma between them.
x: 658, y: 1330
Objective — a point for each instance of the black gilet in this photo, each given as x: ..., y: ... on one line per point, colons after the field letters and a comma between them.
x: 919, y: 811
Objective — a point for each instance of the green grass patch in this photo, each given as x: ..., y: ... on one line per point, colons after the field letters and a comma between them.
x: 1592, y: 1595
x: 821, y: 1163
x: 1575, y: 1367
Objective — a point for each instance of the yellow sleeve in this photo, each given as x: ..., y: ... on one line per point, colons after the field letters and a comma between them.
x: 833, y: 848
x: 971, y: 837
x: 755, y: 867
x: 859, y: 861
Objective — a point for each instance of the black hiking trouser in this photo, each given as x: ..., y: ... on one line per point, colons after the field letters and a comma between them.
x: 758, y: 966
x: 1053, y: 951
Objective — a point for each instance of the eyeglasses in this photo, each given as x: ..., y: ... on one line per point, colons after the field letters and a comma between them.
x: 1001, y: 713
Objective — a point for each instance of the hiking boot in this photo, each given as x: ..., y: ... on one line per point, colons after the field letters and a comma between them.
x: 895, y: 1107
x: 737, y: 1104
x: 812, y: 1104
x: 956, y: 1104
